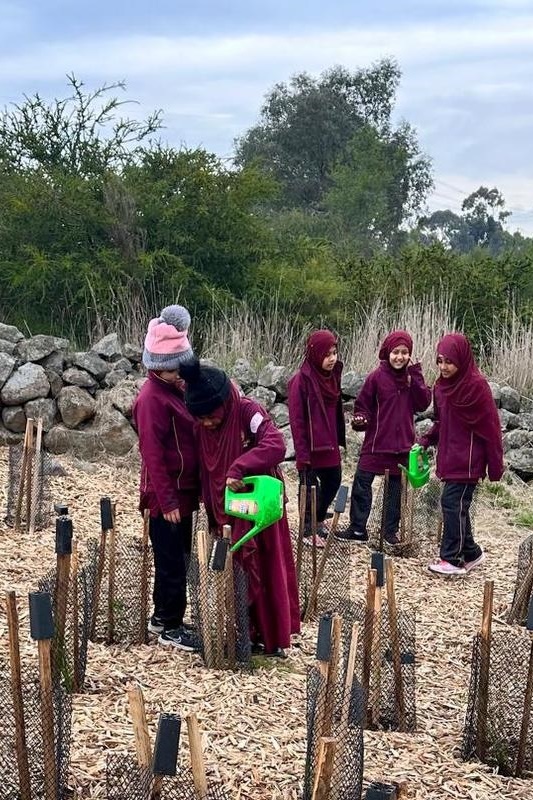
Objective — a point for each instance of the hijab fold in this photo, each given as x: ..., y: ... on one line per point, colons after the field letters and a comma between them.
x: 327, y: 383
x: 468, y: 391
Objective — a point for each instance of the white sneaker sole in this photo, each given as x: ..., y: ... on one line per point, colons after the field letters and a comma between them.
x: 477, y: 563
x: 157, y: 629
x: 168, y: 643
x: 458, y: 574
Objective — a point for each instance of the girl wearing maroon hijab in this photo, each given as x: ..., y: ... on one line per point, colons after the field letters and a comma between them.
x: 237, y: 438
x: 384, y: 409
x: 317, y: 421
x: 468, y: 436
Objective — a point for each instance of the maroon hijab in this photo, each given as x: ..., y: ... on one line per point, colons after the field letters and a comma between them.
x: 395, y: 339
x: 468, y: 391
x: 327, y: 382
x: 219, y: 447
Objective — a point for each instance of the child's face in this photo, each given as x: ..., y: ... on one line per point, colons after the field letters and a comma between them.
x: 446, y: 367
x: 171, y: 376
x: 330, y: 360
x: 213, y: 420
x: 399, y: 357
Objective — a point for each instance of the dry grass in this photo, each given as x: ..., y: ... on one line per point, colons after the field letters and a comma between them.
x: 509, y: 356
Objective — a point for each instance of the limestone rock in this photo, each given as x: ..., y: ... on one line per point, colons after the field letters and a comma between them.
x: 521, y: 461
x: 79, y: 377
x: 108, y: 347
x: 37, y: 347
x: 508, y: 420
x: 266, y: 397
x: 55, y: 361
x: 132, y: 352
x: 75, y: 405
x: 114, y: 431
x: 91, y: 362
x: 14, y: 418
x: 510, y: 399
x: 115, y: 377
x: 10, y: 333
x: 26, y: 383
x: 7, y: 438
x: 525, y: 421
x: 275, y: 378
x: 517, y: 439
x: 351, y: 383
x: 7, y: 347
x: 7, y: 365
x: 44, y: 407
x: 244, y: 374
x: 280, y: 414
x: 496, y: 392
x: 55, y: 380
x: 289, y: 444
x: 123, y: 395
x: 83, y: 444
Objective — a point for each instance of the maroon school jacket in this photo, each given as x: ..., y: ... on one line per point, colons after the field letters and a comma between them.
x: 462, y: 456
x: 388, y: 407
x: 169, y: 461
x: 317, y: 430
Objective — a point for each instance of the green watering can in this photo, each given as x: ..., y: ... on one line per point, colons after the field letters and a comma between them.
x: 417, y: 469
x: 262, y: 504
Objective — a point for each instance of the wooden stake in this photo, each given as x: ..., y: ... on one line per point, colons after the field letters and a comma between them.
x: 47, y: 718
x: 345, y: 711
x: 16, y: 692
x: 521, y: 597
x: 301, y: 529
x: 205, y: 622
x: 98, y: 582
x: 484, y: 670
x: 384, y: 509
x: 410, y: 514
x: 332, y: 675
x: 314, y: 527
x: 74, y: 563
x: 376, y: 656
x: 111, y: 576
x: 33, y: 485
x: 230, y: 601
x: 143, y: 619
x: 403, y: 504
x: 368, y: 634
x: 399, y: 696
x: 143, y: 747
x: 324, y: 768
x: 311, y: 605
x: 197, y: 758
x: 22, y: 477
x: 29, y: 475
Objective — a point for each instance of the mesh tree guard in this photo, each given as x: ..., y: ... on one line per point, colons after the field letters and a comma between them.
x: 334, y: 586
x: 122, y: 579
x: 69, y: 651
x: 126, y: 780
x: 29, y: 502
x: 385, y: 664
x: 524, y: 583
x: 497, y: 702
x: 335, y: 711
x: 219, y: 604
x: 39, y: 746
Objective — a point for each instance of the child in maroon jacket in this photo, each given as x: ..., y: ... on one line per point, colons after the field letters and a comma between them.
x: 317, y: 421
x: 237, y: 438
x: 169, y: 486
x: 468, y: 436
x: 384, y: 409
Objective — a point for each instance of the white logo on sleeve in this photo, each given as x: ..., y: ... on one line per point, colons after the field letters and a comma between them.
x: 256, y: 421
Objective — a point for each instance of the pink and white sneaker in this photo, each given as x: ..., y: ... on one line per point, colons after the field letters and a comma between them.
x: 445, y: 568
x: 475, y: 563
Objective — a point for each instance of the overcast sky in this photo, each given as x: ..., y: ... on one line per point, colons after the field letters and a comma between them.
x: 467, y: 68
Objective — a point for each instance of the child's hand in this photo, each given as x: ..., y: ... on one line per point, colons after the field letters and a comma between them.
x: 173, y: 516
x: 358, y: 422
x: 235, y: 484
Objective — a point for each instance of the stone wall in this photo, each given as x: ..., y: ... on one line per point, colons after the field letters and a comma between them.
x: 85, y: 398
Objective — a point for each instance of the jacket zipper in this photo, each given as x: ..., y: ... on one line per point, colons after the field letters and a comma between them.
x: 310, y: 425
x: 180, y: 453
x: 470, y: 455
x: 377, y: 425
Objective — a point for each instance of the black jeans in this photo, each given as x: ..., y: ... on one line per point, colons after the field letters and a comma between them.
x: 327, y: 480
x: 458, y: 543
x: 361, y: 502
x: 171, y: 544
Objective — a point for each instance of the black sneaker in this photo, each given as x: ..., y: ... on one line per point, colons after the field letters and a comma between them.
x: 352, y: 535
x: 278, y: 652
x: 392, y: 539
x: 155, y: 625
x: 179, y: 638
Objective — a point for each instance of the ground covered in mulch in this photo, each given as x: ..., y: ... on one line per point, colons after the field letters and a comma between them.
x: 254, y: 724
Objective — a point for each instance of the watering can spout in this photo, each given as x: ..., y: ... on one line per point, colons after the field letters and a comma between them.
x: 417, y: 470
x: 261, y: 503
